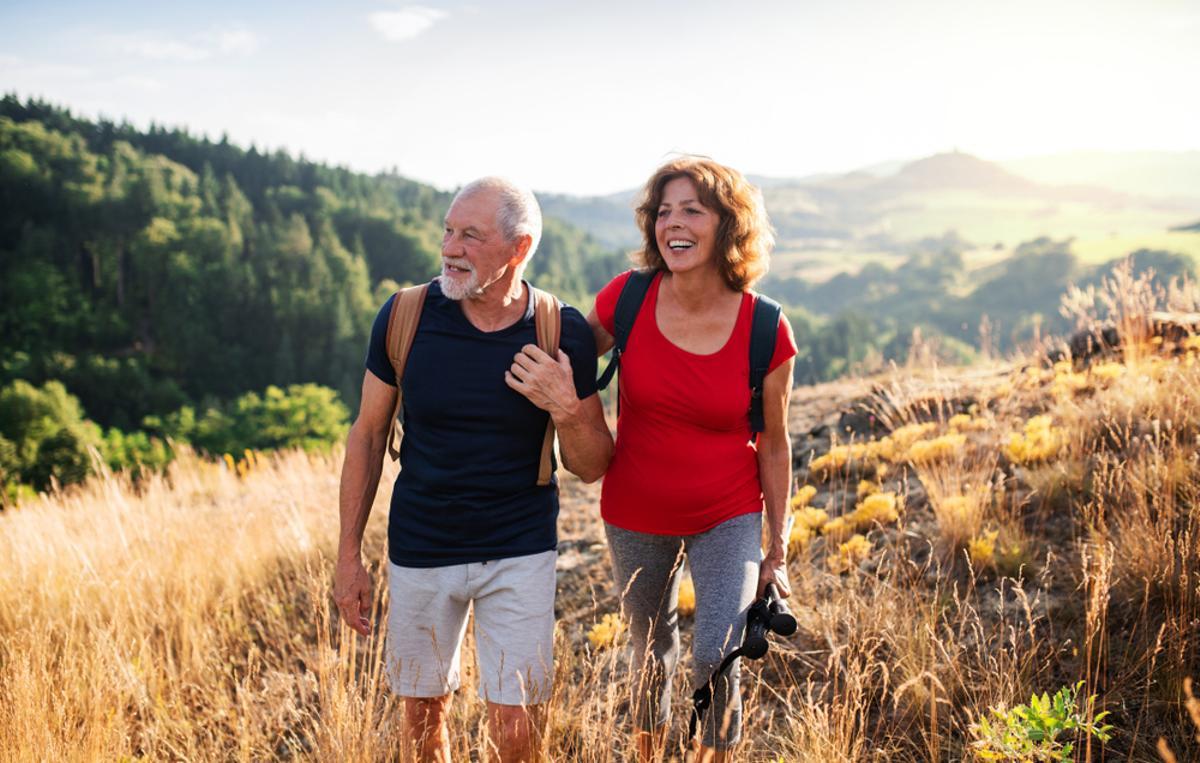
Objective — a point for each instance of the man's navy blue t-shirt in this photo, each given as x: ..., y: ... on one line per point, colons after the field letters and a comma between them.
x: 467, y: 489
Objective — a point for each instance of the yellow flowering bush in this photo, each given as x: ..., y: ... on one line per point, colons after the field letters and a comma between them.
x: 687, y: 597
x: 908, y: 434
x: 965, y: 422
x: 606, y: 632
x: 880, y: 507
x: 799, y: 537
x: 850, y: 554
x: 866, y: 487
x: 982, y: 549
x: 868, y: 453
x: 1040, y: 441
x: 803, y: 496
x: 937, y: 449
x: 838, y: 456
x: 959, y: 421
x: 811, y: 518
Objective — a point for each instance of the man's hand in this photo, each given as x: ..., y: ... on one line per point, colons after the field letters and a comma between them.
x: 352, y: 594
x: 773, y: 569
x: 547, y: 382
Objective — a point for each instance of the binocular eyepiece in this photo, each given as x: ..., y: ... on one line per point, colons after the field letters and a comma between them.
x: 770, y: 613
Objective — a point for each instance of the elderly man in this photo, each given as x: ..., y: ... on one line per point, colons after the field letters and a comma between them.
x: 469, y: 522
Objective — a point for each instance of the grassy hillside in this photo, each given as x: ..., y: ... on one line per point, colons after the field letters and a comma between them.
x: 963, y: 540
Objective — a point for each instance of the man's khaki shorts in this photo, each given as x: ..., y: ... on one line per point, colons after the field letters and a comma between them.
x: 514, y: 628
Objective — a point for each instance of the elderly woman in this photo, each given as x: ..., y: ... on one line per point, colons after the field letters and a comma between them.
x: 688, y: 476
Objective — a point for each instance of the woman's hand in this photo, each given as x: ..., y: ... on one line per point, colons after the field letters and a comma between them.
x: 773, y: 569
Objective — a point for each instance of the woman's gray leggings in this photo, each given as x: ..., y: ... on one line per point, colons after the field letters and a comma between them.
x: 724, y: 563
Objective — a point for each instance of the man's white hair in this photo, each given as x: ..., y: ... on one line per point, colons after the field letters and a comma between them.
x: 518, y: 214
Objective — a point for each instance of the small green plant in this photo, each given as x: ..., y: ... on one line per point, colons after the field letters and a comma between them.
x: 1043, y: 730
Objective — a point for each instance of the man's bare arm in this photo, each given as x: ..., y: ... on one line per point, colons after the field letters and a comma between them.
x: 584, y: 441
x: 365, y: 447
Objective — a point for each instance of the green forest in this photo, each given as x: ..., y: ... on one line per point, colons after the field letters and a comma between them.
x: 160, y: 288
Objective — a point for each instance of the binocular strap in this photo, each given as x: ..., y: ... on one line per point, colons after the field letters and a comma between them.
x: 702, y: 697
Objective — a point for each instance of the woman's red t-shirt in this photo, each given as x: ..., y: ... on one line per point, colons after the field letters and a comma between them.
x: 683, y: 462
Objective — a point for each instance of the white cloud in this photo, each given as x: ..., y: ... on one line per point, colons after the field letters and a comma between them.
x: 156, y: 46
x: 19, y: 70
x: 237, y: 40
x: 406, y: 23
x: 139, y: 82
x: 148, y: 45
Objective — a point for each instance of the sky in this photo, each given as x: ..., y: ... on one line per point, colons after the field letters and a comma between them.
x: 589, y: 98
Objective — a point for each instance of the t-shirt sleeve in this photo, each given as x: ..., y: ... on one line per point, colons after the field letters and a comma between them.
x: 785, y: 344
x: 377, y: 357
x: 579, y: 344
x: 606, y: 301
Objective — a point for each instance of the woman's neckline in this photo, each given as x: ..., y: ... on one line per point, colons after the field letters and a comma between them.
x: 657, y: 290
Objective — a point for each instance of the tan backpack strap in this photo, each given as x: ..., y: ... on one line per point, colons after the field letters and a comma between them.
x: 402, y: 327
x: 547, y: 322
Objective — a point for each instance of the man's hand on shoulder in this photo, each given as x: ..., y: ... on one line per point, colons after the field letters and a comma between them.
x: 352, y: 594
x: 547, y: 382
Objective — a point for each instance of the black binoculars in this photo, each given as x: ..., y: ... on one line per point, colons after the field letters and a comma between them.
x: 768, y: 614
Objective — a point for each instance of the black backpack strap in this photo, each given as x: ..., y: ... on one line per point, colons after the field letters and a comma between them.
x: 763, y: 330
x: 629, y: 303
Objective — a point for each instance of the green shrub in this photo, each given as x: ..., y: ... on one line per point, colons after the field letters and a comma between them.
x: 137, y: 453
x: 44, y: 436
x: 1043, y: 730
x: 308, y: 416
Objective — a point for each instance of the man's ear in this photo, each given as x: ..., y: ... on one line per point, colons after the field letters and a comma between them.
x: 521, y: 248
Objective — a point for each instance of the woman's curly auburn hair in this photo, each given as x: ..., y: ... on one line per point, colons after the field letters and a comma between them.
x: 744, y: 235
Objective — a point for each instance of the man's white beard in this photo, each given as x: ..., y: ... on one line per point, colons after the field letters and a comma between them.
x: 459, y: 290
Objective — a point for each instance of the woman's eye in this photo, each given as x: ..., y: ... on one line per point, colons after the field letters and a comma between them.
x: 662, y: 213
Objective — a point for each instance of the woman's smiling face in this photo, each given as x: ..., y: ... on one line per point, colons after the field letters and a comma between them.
x: 685, y: 230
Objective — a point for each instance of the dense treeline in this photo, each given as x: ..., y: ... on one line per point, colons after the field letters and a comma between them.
x: 151, y: 270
